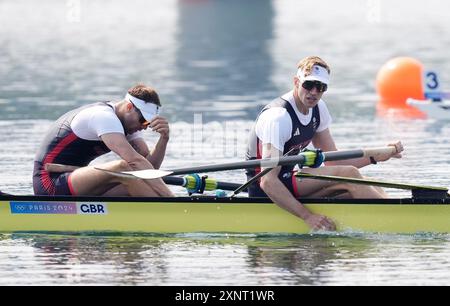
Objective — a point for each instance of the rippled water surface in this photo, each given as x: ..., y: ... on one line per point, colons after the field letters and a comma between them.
x: 196, y: 259
x: 215, y: 63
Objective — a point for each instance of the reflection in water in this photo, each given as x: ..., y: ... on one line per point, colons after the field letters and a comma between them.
x: 89, y: 259
x: 302, y: 260
x: 172, y: 260
x: 202, y: 259
x: 223, y: 60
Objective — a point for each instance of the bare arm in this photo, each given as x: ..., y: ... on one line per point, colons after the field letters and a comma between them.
x: 324, y: 141
x: 156, y: 157
x: 280, y: 195
x: 132, y: 152
x: 117, y: 143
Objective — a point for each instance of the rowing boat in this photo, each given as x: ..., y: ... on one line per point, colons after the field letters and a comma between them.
x: 216, y: 215
x: 427, y: 210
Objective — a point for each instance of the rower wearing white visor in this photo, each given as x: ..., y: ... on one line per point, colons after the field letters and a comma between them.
x: 62, y: 164
x: 289, y: 124
x: 147, y: 110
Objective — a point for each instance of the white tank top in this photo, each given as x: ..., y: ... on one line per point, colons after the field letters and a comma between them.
x: 95, y: 121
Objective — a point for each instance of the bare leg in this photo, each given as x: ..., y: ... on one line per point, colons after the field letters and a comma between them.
x: 316, y: 188
x: 89, y: 181
x: 379, y: 189
x: 335, y: 191
x: 119, y: 190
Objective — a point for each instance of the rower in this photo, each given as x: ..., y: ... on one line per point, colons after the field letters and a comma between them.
x: 293, y: 121
x: 83, y: 134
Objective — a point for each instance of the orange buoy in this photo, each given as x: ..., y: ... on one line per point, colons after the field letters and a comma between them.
x: 397, y: 80
x: 400, y: 79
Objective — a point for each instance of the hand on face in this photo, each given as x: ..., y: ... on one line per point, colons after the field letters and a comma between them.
x: 157, y: 124
x: 160, y: 125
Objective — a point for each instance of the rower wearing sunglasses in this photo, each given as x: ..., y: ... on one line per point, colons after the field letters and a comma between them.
x: 61, y: 166
x: 289, y: 124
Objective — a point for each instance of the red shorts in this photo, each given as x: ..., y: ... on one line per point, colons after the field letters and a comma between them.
x: 45, y: 183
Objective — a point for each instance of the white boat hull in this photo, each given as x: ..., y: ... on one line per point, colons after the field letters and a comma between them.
x: 439, y: 110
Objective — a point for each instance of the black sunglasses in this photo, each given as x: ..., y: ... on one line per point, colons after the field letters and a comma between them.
x: 309, y: 85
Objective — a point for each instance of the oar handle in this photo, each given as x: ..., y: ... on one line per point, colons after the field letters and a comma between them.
x: 380, y: 152
x: 358, y: 153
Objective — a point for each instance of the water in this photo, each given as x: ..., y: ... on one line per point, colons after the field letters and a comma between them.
x: 201, y: 260
x: 215, y: 63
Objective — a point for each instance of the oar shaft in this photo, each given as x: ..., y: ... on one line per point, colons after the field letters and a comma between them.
x: 301, y: 159
x: 328, y: 156
x: 417, y: 190
x: 227, y: 186
x: 341, y: 155
x: 180, y: 181
x: 256, y: 177
x: 308, y: 158
x: 174, y: 180
x: 249, y: 182
x: 269, y: 162
x: 368, y: 182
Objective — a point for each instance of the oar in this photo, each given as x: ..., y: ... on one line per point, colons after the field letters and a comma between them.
x: 255, y: 178
x: 196, y: 184
x: 418, y: 190
x: 250, y: 181
x: 304, y: 158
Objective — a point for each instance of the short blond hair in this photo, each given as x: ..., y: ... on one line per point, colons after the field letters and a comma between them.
x: 308, y: 62
x: 146, y: 93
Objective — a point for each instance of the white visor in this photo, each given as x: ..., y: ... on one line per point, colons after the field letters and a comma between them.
x: 318, y: 73
x: 148, y: 110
